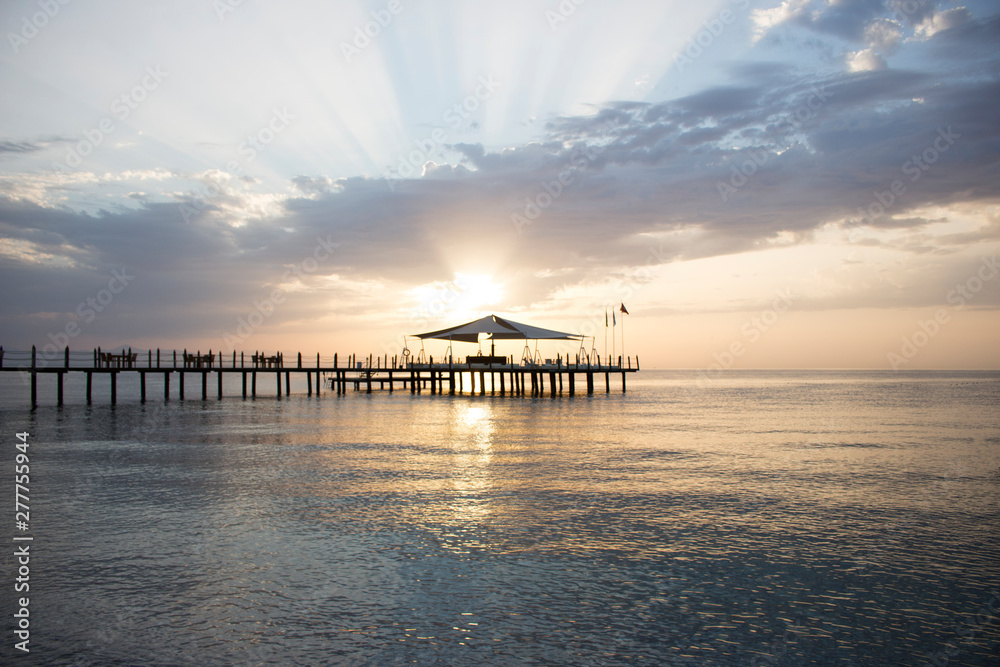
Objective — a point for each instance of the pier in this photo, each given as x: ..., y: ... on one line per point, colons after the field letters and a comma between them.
x: 474, y: 375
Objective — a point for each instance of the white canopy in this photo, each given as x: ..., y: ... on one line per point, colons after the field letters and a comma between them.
x: 497, y: 329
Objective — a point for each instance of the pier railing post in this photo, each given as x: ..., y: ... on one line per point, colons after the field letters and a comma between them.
x: 34, y: 380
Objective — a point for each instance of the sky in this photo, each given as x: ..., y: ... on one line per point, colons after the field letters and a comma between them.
x: 762, y: 184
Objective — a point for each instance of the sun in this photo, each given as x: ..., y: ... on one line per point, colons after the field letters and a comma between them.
x: 475, y: 292
x: 464, y: 296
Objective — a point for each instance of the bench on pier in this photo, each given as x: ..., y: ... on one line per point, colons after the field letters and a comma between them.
x: 262, y: 361
x: 198, y: 360
x: 486, y: 359
x: 124, y: 360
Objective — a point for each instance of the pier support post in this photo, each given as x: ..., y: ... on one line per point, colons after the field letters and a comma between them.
x: 90, y: 386
x: 244, y: 384
x: 288, y: 383
x: 34, y: 380
x: 501, y: 384
x: 180, y: 385
x: 59, y: 389
x: 552, y: 382
x: 204, y: 385
x: 319, y: 381
x: 277, y: 377
x: 253, y: 384
x: 590, y: 382
x: 572, y: 384
x: 607, y: 383
x: 623, y: 382
x: 482, y: 383
x: 114, y: 387
x: 220, y: 374
x: 142, y: 386
x: 166, y: 386
x: 309, y: 384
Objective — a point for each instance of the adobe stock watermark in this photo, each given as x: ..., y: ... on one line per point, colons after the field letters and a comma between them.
x: 779, y: 647
x: 926, y: 330
x: 223, y: 7
x: 30, y: 26
x: 249, y: 148
x: 563, y: 11
x: 550, y: 190
x: 742, y: 174
x: 752, y: 330
x: 263, y: 309
x: 966, y: 632
x: 440, y: 304
x: 915, y: 168
x: 121, y: 108
x: 904, y: 9
x: 363, y: 35
x: 624, y: 290
x: 711, y: 30
x: 87, y: 311
x: 412, y: 163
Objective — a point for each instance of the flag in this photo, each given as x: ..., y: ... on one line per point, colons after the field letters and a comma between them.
x: 623, y: 308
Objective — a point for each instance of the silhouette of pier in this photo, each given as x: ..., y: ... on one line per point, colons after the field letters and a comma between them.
x: 476, y: 374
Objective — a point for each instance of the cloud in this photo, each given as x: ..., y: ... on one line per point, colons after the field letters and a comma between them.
x: 603, y: 195
x: 312, y: 186
x: 879, y: 26
x: 765, y: 19
x: 883, y: 35
x: 20, y: 147
x: 866, y: 60
x: 941, y: 21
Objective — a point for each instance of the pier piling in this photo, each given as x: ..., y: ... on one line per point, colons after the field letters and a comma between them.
x: 366, y: 374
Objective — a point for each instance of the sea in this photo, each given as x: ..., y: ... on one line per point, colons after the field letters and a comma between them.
x: 746, y: 518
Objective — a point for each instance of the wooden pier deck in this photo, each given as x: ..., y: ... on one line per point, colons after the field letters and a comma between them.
x: 556, y: 376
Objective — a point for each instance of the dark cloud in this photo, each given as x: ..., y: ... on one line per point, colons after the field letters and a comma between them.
x: 19, y: 147
x: 845, y: 19
x: 596, y: 194
x: 25, y: 146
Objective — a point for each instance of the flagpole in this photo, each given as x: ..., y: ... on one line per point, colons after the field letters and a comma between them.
x: 613, y: 319
x: 605, y: 334
x: 623, y: 334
